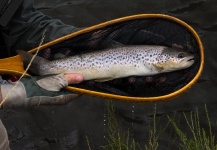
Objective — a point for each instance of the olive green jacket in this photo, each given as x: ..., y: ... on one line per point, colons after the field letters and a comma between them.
x: 25, y: 29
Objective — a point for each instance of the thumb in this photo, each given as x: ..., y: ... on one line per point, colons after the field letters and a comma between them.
x: 53, y: 83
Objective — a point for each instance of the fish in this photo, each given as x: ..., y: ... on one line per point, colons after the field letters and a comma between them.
x: 112, y: 63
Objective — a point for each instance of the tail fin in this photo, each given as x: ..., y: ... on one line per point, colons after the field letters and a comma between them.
x: 36, y: 64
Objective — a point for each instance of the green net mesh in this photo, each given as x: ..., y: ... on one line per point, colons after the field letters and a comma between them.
x: 147, y: 31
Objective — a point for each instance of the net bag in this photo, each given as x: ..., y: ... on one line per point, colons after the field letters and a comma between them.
x: 144, y: 29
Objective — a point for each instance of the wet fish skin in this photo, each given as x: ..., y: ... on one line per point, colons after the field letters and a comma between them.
x: 138, y: 60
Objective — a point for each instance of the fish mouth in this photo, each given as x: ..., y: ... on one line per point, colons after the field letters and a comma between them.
x: 191, y: 59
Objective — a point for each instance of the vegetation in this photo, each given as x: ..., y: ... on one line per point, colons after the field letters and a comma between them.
x: 117, y: 140
x: 199, y: 138
x: 196, y: 138
x: 120, y: 140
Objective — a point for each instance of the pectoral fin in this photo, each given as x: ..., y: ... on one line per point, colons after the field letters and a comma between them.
x: 158, y: 68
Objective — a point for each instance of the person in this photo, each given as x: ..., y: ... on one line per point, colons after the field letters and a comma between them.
x: 21, y: 27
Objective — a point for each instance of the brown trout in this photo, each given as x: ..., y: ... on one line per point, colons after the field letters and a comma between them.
x: 138, y: 60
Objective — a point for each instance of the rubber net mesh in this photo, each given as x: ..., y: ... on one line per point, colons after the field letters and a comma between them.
x: 152, y: 31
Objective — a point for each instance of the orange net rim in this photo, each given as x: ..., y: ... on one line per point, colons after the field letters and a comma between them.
x: 128, y: 98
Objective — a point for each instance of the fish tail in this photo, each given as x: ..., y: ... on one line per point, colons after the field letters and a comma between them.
x: 36, y: 63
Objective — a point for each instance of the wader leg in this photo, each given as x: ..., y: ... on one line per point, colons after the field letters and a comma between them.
x: 4, y: 142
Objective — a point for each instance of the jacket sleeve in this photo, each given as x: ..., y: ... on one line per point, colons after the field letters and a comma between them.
x: 25, y: 29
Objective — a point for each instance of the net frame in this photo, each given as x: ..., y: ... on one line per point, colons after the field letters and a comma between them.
x: 133, y: 98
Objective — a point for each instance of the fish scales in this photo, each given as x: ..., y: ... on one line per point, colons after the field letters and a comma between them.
x: 108, y: 64
x: 138, y: 60
x: 106, y: 59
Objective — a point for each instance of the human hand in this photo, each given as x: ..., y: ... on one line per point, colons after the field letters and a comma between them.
x: 34, y: 91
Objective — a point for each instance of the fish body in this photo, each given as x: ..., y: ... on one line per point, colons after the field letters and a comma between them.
x: 137, y: 60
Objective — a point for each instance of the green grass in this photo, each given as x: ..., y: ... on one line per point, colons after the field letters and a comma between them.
x: 88, y: 143
x: 154, y: 134
x: 199, y: 138
x: 193, y: 137
x: 116, y: 139
x: 120, y: 140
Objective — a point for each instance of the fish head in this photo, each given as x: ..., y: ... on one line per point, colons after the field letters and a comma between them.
x: 172, y: 59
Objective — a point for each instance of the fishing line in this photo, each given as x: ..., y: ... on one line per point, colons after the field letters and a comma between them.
x: 27, y: 68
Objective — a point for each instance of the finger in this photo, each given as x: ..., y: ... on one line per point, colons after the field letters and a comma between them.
x: 47, y: 100
x: 67, y: 98
x: 74, y: 78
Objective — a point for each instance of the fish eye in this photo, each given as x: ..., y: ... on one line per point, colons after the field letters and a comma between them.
x: 181, y: 55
